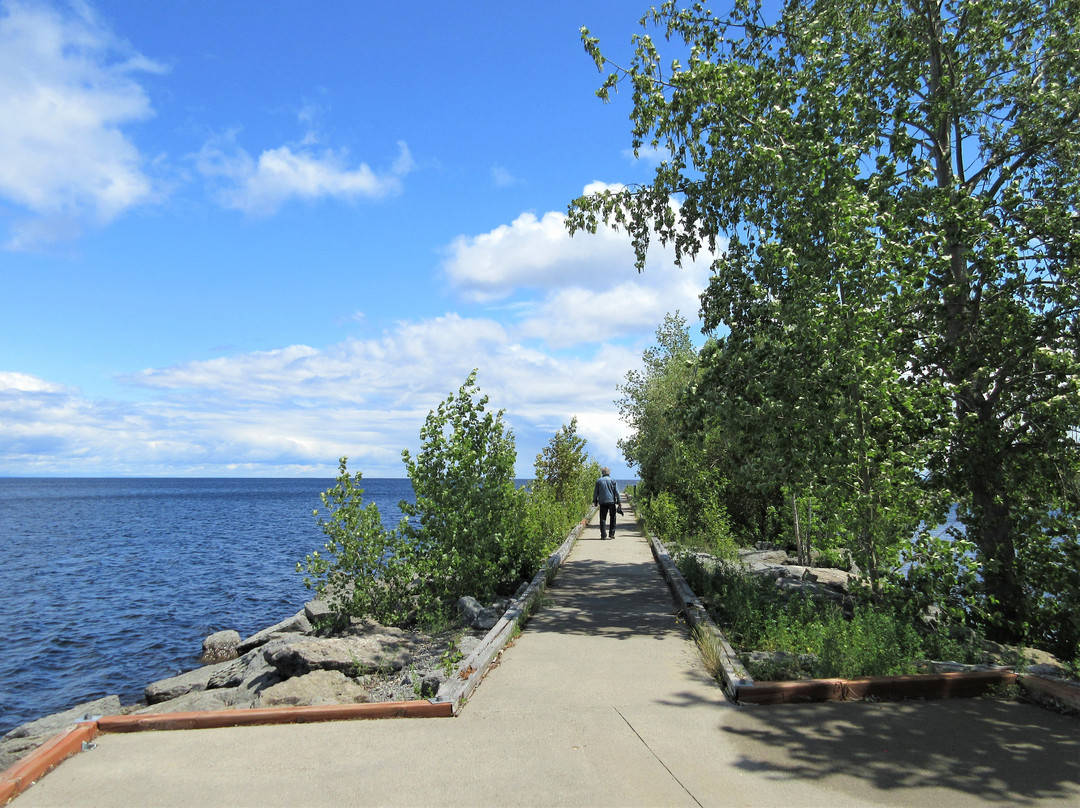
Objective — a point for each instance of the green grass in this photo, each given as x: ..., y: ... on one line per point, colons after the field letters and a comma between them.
x: 819, y: 638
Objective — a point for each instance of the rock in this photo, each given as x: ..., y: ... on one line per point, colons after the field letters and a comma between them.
x: 27, y: 737
x: 827, y: 576
x: 429, y: 688
x: 315, y: 688
x: 355, y: 655
x: 199, y: 701
x: 486, y: 620
x: 793, y: 571
x: 467, y: 644
x: 166, y: 689
x: 220, y: 646
x: 318, y: 611
x: 931, y: 616
x: 1043, y: 669
x: 468, y: 609
x: 796, y: 586
x: 1036, y: 656
x: 474, y: 615
x: 768, y: 571
x: 51, y: 724
x: 250, y: 674
x: 230, y: 675
x: 299, y: 623
x: 771, y: 557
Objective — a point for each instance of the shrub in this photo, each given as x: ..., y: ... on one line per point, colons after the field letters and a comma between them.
x: 819, y: 639
x: 366, y: 569
x: 469, y: 539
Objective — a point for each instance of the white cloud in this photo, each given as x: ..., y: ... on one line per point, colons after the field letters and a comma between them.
x: 296, y: 410
x: 503, y: 178
x: 534, y: 252
x: 261, y: 186
x: 572, y: 290
x: 634, y: 307
x: 67, y: 89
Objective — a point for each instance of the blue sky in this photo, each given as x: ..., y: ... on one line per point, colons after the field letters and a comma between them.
x: 244, y: 239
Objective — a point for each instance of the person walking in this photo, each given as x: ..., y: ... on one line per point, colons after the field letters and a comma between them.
x: 606, y: 495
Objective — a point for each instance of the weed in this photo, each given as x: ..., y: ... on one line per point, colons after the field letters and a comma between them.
x: 712, y: 652
x: 449, y: 658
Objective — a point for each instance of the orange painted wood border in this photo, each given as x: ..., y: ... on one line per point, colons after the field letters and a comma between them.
x: 274, y: 715
x: 920, y: 686
x: 22, y: 775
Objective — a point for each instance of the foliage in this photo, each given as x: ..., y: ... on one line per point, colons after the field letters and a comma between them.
x: 942, y: 572
x: 681, y: 495
x: 364, y: 569
x: 561, y: 493
x: 560, y: 463
x: 895, y: 189
x: 818, y: 637
x: 649, y: 406
x: 468, y: 540
x: 476, y: 533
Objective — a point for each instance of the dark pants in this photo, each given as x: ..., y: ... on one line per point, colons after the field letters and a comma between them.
x: 607, y: 509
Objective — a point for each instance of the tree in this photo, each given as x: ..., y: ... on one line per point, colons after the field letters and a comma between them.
x: 918, y: 159
x: 364, y: 570
x: 561, y: 462
x: 649, y: 406
x: 468, y: 507
x: 682, y: 492
x: 561, y: 493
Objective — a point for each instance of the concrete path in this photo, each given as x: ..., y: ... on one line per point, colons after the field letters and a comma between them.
x: 601, y: 701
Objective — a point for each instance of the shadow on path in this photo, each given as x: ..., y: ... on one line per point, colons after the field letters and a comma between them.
x: 617, y: 599
x: 997, y: 751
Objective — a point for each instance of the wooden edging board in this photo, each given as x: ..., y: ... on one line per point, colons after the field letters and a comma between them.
x: 472, y: 670
x: 1056, y: 691
x: 21, y: 775
x: 741, y: 688
x: 734, y: 676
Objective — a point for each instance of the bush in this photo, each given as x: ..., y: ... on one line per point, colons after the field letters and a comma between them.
x: 366, y: 569
x: 475, y: 532
x: 469, y: 539
x: 873, y: 641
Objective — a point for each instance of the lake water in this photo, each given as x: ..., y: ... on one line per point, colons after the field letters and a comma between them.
x: 110, y: 584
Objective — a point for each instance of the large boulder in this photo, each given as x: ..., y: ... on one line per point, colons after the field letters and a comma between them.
x: 297, y: 624
x: 768, y: 557
x: 249, y: 674
x: 313, y: 689
x: 475, y: 615
x: 791, y: 587
x: 318, y: 611
x: 198, y: 679
x: 220, y: 647
x: 198, y: 701
x: 827, y: 576
x: 352, y: 654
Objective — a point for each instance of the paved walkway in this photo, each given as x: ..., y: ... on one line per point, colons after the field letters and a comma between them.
x: 601, y: 701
